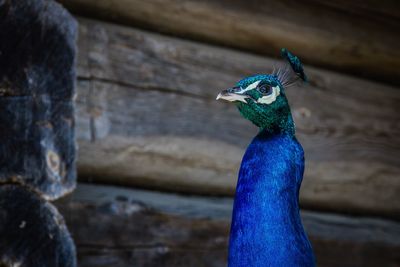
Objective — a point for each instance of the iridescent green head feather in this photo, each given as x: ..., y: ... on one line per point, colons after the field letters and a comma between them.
x: 262, y: 100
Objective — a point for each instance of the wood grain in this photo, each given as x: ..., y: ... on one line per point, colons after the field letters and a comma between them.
x: 128, y: 227
x: 37, y: 85
x: 356, y: 37
x: 33, y: 233
x: 147, y: 116
x: 37, y: 132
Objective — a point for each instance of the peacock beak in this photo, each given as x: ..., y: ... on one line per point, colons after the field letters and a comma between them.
x: 231, y: 95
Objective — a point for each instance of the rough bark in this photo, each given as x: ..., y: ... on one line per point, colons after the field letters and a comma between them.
x: 37, y: 78
x: 357, y: 37
x: 124, y: 227
x: 147, y: 116
x: 37, y: 147
x: 32, y: 232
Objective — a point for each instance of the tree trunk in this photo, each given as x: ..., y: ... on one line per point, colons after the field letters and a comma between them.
x: 37, y: 159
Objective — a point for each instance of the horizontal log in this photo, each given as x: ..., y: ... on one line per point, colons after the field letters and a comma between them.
x: 368, y: 8
x: 130, y: 227
x: 350, y: 36
x: 147, y: 116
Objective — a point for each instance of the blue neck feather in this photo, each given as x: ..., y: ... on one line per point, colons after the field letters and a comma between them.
x: 266, y: 226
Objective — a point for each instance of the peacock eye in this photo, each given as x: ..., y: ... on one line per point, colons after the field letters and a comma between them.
x: 265, y: 89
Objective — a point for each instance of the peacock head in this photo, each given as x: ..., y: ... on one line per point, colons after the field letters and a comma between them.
x: 261, y: 98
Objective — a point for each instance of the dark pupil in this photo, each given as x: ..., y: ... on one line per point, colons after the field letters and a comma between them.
x: 264, y: 89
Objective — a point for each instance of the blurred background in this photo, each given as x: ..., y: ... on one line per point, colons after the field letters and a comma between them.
x: 158, y: 156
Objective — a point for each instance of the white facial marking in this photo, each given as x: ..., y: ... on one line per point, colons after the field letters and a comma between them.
x: 238, y: 96
x: 249, y: 87
x: 252, y: 86
x: 268, y: 99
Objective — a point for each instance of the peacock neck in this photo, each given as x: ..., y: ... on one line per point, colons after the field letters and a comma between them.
x: 266, y: 226
x: 272, y: 169
x: 283, y: 126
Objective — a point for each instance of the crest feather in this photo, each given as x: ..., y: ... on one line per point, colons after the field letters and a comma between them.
x: 292, y: 71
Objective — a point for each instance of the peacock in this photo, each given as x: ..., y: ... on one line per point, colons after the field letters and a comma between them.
x: 266, y: 227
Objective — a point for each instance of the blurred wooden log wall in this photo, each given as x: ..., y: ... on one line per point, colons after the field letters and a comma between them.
x: 356, y: 36
x: 147, y: 115
x: 127, y: 227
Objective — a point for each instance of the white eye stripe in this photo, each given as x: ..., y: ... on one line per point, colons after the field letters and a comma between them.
x: 268, y: 99
x: 250, y: 87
